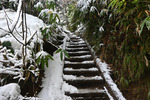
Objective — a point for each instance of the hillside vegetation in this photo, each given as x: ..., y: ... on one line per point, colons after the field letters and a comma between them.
x: 119, y: 31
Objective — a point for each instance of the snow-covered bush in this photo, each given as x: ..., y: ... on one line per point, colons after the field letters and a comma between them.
x: 42, y: 58
x: 22, y: 57
x: 12, y: 68
x: 51, y: 18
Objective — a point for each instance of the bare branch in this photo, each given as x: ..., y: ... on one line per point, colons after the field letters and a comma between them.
x: 31, y: 37
x: 15, y: 21
x: 4, y: 30
x: 13, y: 34
x: 10, y: 22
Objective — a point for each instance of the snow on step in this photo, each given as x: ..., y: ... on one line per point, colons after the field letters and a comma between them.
x: 84, y: 82
x: 77, y: 65
x: 76, y: 40
x: 77, y: 49
x: 90, y: 90
x: 76, y: 46
x: 81, y: 69
x: 77, y: 43
x: 73, y: 77
x: 74, y: 36
x: 83, y: 62
x: 82, y: 56
x: 77, y: 53
x: 84, y: 72
x: 90, y: 98
x: 89, y: 94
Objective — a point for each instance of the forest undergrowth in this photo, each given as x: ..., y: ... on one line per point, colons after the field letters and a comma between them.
x: 119, y: 32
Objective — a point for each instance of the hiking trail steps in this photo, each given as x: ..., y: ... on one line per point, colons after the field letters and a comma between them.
x: 81, y: 71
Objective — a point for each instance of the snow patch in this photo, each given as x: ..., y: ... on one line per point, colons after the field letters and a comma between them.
x: 110, y: 97
x: 83, y: 62
x: 10, y: 92
x: 108, y: 79
x: 69, y: 88
x: 39, y: 4
x: 53, y: 85
x: 73, y: 77
x: 81, y: 69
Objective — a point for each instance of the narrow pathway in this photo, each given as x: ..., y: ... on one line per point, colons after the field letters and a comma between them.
x: 81, y: 71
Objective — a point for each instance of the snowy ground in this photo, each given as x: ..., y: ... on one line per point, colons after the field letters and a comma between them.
x: 53, y: 84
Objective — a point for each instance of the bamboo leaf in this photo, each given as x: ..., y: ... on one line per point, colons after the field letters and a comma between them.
x: 147, y: 12
x: 66, y: 53
x: 140, y: 14
x: 38, y: 61
x: 147, y: 22
x: 146, y: 61
x: 61, y: 55
x: 49, y: 56
x: 57, y: 17
x: 128, y: 27
x: 42, y: 63
x: 58, y: 50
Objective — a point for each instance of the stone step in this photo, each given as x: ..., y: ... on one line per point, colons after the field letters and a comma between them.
x: 77, y: 49
x: 76, y: 40
x: 76, y: 46
x: 79, y: 58
x: 85, y: 72
x: 88, y: 94
x: 78, y: 53
x: 75, y: 37
x: 77, y: 65
x: 84, y: 82
x: 89, y: 98
x: 77, y: 43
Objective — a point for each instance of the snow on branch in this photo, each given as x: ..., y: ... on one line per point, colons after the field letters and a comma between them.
x: 15, y: 21
x: 9, y: 72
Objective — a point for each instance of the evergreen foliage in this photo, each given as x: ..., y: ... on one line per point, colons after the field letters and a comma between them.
x: 119, y: 31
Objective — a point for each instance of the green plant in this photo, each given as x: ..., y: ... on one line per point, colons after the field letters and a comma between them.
x: 7, y: 44
x: 42, y: 59
x: 124, y: 83
x: 146, y: 22
x: 62, y: 52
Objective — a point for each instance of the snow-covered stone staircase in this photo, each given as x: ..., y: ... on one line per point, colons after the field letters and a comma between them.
x: 81, y: 71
